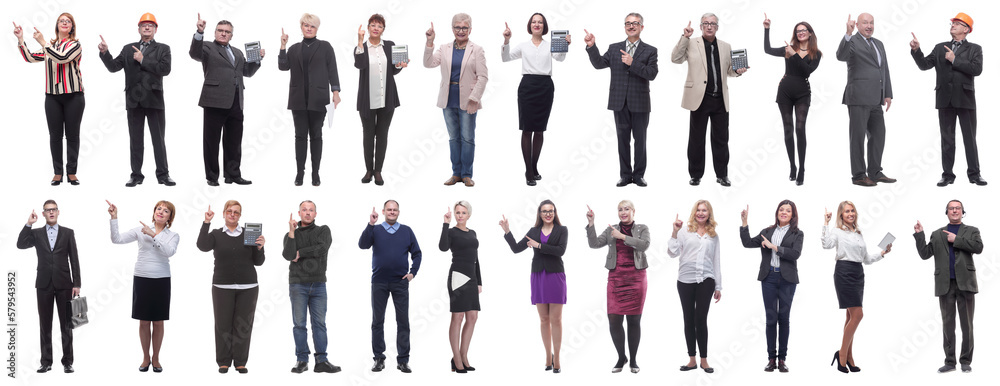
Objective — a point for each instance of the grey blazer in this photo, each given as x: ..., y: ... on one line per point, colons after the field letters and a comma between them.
x: 639, y: 241
x: 868, y: 82
x: 967, y: 243
x: 223, y: 80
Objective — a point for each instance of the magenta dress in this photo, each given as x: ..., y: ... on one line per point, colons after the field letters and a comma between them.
x: 626, y: 285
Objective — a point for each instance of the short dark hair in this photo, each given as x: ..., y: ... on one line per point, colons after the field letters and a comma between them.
x: 377, y: 17
x: 309, y: 201
x: 388, y: 201
x: 53, y: 202
x: 545, y: 23
x: 225, y: 22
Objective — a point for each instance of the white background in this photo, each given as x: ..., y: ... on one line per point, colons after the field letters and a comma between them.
x: 899, y: 339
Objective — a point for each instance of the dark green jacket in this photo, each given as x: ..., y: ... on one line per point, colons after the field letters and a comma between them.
x: 967, y: 243
x: 312, y: 244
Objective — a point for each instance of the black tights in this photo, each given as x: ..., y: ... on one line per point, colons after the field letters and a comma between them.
x: 801, y: 110
x: 618, y: 337
x: 530, y: 149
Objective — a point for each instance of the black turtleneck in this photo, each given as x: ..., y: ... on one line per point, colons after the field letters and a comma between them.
x: 309, y: 47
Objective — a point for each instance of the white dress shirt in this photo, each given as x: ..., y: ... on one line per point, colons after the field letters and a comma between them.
x: 776, y: 237
x: 850, y: 246
x: 154, y: 252
x: 534, y: 60
x: 699, y: 257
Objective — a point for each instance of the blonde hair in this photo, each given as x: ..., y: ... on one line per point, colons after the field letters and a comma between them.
x: 309, y: 18
x: 627, y: 204
x: 710, y: 224
x: 840, y: 218
x: 231, y: 203
x: 72, y: 31
x: 464, y: 204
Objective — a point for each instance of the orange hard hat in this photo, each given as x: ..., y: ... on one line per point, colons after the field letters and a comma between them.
x: 148, y: 17
x: 962, y: 17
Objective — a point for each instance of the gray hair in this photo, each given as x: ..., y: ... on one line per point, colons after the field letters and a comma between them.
x: 460, y: 17
x: 309, y: 18
x: 464, y: 204
x: 636, y: 14
x: 708, y: 15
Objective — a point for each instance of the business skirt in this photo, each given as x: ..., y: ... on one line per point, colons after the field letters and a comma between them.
x: 849, y: 280
x: 548, y: 288
x: 150, y: 298
x: 534, y: 102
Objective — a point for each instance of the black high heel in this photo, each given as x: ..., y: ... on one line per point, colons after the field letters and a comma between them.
x: 455, y: 369
x: 852, y: 367
x: 801, y: 177
x: 72, y: 181
x: 791, y: 175
x: 836, y: 359
x: 467, y: 367
x: 548, y: 367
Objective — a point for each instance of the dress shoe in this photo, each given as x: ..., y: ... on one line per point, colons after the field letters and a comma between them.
x: 639, y: 181
x: 242, y: 370
x: 945, y: 181
x: 157, y: 369
x: 531, y: 182
x: 404, y: 368
x: 326, y: 367
x: 378, y: 179
x: 623, y: 181
x: 771, y: 365
x: 863, y: 181
x: 885, y: 180
x: 379, y: 365
x: 537, y: 176
x: 300, y: 366
x: 68, y: 369
x: 44, y: 369
x: 468, y: 182
x: 74, y: 182
x: 367, y: 178
x: 634, y: 370
x: 213, y: 182
x: 708, y: 369
x: 315, y: 179
x: 695, y: 181
x: 467, y: 367
x: 688, y: 368
x: 166, y: 180
x: 852, y: 367
x: 966, y: 368
x: 223, y: 369
x: 298, y: 178
x: 724, y: 181
x: 946, y: 369
x: 143, y: 369
x: 836, y: 359
x: 978, y: 181
x: 133, y: 182
x: 238, y: 181
x: 452, y: 181
x: 56, y: 182
x: 781, y: 367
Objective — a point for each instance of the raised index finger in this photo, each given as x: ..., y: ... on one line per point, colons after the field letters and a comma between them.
x: 914, y: 36
x: 199, y: 15
x: 689, y: 24
x: 36, y: 30
x: 109, y: 202
x: 505, y: 25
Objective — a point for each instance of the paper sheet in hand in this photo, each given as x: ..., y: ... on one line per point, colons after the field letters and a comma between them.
x: 888, y: 239
x: 329, y: 115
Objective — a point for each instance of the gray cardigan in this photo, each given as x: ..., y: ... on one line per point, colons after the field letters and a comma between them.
x: 639, y: 243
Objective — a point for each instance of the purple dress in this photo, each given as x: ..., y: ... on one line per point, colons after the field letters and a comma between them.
x: 626, y: 285
x: 548, y: 287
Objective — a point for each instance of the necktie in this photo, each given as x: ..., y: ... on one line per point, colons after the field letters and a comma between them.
x: 142, y: 47
x: 232, y: 60
x: 711, y: 67
x: 878, y: 57
x: 955, y: 45
x: 631, y: 49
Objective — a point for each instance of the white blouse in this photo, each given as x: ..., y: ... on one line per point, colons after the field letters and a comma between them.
x: 376, y: 73
x: 699, y: 257
x: 850, y: 246
x: 154, y: 252
x: 534, y: 60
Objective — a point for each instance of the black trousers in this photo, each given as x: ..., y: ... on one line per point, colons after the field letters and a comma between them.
x: 400, y: 291
x: 966, y: 304
x: 157, y: 122
x: 695, y: 300
x: 866, y: 122
x: 376, y: 137
x: 227, y: 125
x: 967, y: 118
x: 63, y: 113
x: 308, y: 134
x: 234, y: 311
x: 631, y: 125
x: 61, y: 298
x: 712, y: 108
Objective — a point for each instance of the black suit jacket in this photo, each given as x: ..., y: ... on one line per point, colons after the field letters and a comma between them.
x: 322, y: 71
x: 628, y: 83
x: 364, y: 96
x: 956, y: 83
x: 59, y: 266
x: 143, y: 82
x: 788, y: 252
x: 548, y: 257
x: 223, y: 80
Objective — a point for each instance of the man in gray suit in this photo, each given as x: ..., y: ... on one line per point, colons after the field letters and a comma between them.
x: 954, y: 279
x: 222, y: 98
x: 868, y: 88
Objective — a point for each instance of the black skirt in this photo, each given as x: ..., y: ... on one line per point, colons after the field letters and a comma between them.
x: 849, y: 280
x: 534, y: 102
x: 150, y: 298
x: 463, y: 289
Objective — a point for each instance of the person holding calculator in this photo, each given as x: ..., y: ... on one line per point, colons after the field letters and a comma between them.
x: 377, y: 96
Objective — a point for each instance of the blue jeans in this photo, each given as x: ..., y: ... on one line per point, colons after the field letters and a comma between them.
x: 461, y: 140
x: 778, y: 294
x: 400, y: 291
x: 311, y: 298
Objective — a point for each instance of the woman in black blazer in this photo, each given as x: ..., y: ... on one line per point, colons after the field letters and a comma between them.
x: 780, y: 246
x: 548, y: 239
x: 376, y: 102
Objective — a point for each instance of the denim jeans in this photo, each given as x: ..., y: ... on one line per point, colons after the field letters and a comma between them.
x: 778, y: 294
x: 309, y: 298
x: 461, y: 140
x: 400, y: 291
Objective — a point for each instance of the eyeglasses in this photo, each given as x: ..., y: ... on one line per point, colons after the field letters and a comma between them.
x: 959, y: 23
x: 233, y: 212
x: 50, y: 210
x: 374, y: 25
x: 709, y: 25
x: 461, y: 29
x: 632, y: 24
x: 801, y: 31
x: 223, y: 31
x: 65, y: 21
x: 954, y: 208
x: 548, y: 212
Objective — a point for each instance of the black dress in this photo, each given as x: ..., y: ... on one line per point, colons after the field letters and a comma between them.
x: 463, y: 276
x: 794, y: 86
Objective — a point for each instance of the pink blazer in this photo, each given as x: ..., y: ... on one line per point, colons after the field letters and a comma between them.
x: 472, y: 78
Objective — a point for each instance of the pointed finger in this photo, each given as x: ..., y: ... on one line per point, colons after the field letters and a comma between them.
x: 678, y: 217
x: 765, y: 15
x: 143, y: 224
x: 432, y: 25
x: 689, y: 24
x: 586, y: 32
x: 786, y: 43
x: 102, y: 38
x: 109, y: 202
x: 949, y: 49
x: 914, y: 35
x: 36, y: 30
x: 504, y: 217
x: 505, y: 25
x: 136, y: 49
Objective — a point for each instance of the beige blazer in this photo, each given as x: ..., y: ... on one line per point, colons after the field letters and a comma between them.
x: 692, y: 50
x: 472, y: 78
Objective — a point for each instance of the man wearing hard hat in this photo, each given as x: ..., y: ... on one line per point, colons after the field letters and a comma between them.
x: 957, y: 62
x: 146, y: 62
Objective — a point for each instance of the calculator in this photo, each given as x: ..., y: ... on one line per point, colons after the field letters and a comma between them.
x: 253, y: 52
x: 739, y: 59
x: 399, y: 54
x: 559, y: 43
x: 250, y: 233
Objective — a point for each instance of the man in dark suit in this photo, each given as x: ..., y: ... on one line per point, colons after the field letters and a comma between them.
x: 222, y: 98
x: 957, y: 62
x: 633, y: 65
x: 146, y: 62
x: 868, y: 88
x: 954, y: 279
x: 57, y: 280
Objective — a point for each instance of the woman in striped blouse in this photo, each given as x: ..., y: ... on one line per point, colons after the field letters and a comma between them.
x: 63, y: 91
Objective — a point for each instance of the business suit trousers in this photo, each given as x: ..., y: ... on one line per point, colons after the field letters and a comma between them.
x: 967, y: 118
x: 63, y: 113
x: 631, y: 125
x: 157, y: 122
x: 400, y: 291
x: 234, y: 312
x: 227, y: 125
x: 712, y: 108
x: 965, y: 302
x: 866, y: 122
x: 376, y: 137
x: 778, y: 294
x: 308, y: 134
x: 695, y: 301
x: 61, y: 298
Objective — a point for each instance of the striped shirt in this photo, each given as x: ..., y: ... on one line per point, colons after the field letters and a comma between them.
x: 62, y: 62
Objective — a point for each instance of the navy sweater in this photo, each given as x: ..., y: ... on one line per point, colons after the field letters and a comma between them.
x: 389, y: 252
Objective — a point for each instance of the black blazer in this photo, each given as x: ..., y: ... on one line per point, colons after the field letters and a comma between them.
x: 223, y: 81
x: 788, y: 252
x: 59, y: 266
x: 548, y: 257
x: 143, y: 82
x: 956, y: 84
x: 322, y: 71
x: 628, y: 83
x: 364, y: 96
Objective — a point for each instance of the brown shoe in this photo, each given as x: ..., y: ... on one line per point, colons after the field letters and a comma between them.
x: 864, y: 181
x: 884, y: 179
x: 452, y: 181
x: 469, y: 182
